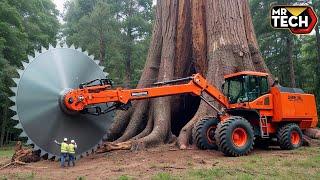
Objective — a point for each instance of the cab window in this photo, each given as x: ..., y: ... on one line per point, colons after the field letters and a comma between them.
x: 264, y: 85
x: 257, y: 86
x: 236, y: 90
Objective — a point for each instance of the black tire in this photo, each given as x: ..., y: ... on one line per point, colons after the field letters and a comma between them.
x: 284, y: 136
x: 202, y: 129
x: 225, y: 134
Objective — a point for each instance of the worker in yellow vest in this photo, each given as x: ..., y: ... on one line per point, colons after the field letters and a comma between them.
x: 64, y: 149
x: 72, y: 152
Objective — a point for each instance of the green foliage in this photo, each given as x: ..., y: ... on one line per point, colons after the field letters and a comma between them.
x: 113, y: 28
x: 124, y: 177
x: 275, y: 50
x: 163, y: 176
x: 24, y: 26
x: 6, y: 152
x: 81, y: 178
x: 273, y: 42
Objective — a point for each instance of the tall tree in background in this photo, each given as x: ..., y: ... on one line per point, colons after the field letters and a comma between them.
x: 24, y: 26
x: 316, y: 7
x: 115, y: 31
x: 279, y: 48
x: 97, y: 22
x: 135, y: 17
x: 188, y: 37
x: 291, y: 58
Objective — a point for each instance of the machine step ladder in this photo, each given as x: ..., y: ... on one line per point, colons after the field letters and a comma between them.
x: 264, y: 127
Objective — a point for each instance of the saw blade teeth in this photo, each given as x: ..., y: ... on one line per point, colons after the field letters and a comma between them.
x: 20, y: 72
x: 78, y: 157
x: 56, y: 158
x: 30, y: 58
x: 15, y: 117
x: 65, y: 45
x: 101, y: 67
x: 91, y: 57
x: 43, y: 49
x: 13, y: 99
x: 95, y: 148
x: 79, y: 49
x: 36, y: 53
x: 13, y: 108
x: 50, y: 156
x: 36, y: 147
x: 72, y: 46
x: 18, y: 126
x: 23, y: 134
x: 106, y: 74
x: 42, y: 153
x: 86, y: 53
x: 50, y: 47
x: 16, y: 80
x: 97, y: 61
x: 14, y: 89
x: 29, y: 142
x: 25, y: 65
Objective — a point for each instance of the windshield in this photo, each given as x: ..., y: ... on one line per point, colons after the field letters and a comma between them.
x: 236, y: 90
x: 245, y: 88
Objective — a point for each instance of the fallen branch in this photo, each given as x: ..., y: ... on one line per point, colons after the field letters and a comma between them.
x: 24, y: 155
x: 6, y: 165
x: 107, y: 147
x: 13, y: 163
x: 172, y: 167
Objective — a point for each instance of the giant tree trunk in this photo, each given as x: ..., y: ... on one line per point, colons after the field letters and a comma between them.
x: 213, y: 38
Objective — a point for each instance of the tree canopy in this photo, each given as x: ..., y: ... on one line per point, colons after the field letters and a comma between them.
x: 25, y: 26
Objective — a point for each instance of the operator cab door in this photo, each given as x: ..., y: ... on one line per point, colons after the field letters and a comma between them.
x: 235, y: 89
x: 241, y: 90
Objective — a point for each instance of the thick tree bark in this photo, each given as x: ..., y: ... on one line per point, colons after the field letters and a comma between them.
x: 213, y: 38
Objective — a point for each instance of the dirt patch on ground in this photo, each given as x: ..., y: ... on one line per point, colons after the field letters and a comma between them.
x: 145, y: 164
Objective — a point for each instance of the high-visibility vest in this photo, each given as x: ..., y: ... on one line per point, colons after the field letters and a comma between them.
x: 64, y: 147
x: 72, y: 149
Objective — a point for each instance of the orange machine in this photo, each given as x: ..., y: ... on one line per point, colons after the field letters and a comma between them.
x: 251, y: 109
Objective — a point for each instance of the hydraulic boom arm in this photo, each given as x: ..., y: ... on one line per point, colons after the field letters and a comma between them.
x: 79, y: 99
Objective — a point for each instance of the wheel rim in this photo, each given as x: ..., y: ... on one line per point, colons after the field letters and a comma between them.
x: 295, y: 138
x: 239, y: 137
x: 210, y: 134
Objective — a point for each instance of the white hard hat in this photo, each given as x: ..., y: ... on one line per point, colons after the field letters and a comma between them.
x: 65, y: 139
x: 72, y: 141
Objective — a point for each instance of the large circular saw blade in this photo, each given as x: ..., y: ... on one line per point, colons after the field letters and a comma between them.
x: 44, y: 78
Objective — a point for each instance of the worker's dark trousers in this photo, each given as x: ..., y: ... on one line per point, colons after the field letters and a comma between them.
x: 63, y: 158
x: 71, y: 159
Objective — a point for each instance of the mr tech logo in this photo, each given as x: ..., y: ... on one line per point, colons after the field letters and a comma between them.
x: 298, y: 19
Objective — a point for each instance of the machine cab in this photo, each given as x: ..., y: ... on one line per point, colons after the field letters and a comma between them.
x: 245, y: 86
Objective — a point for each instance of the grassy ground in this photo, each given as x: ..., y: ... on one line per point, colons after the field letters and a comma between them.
x: 6, y: 152
x: 303, y: 164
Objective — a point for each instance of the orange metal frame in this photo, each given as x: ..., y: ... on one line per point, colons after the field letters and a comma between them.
x: 279, y: 106
x: 103, y: 94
